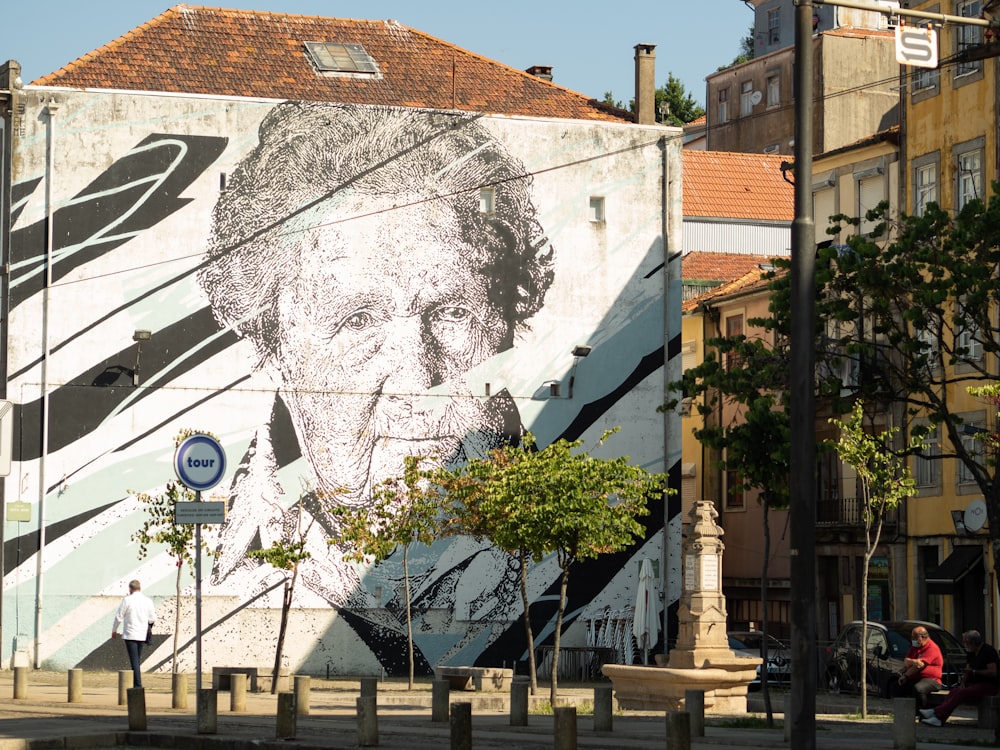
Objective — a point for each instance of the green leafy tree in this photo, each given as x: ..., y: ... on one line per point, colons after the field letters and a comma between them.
x: 285, y: 557
x: 907, y: 315
x: 559, y: 500
x: 674, y: 105
x: 884, y: 481
x: 746, y: 53
x: 404, y: 511
x: 178, y: 540
x: 750, y: 376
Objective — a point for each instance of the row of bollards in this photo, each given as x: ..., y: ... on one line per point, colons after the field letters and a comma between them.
x: 680, y: 728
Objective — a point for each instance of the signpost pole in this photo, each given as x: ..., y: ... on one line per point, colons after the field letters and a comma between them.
x: 197, y: 609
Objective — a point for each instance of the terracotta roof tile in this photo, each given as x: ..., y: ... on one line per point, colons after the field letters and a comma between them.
x: 723, y: 184
x: 706, y: 266
x: 224, y: 52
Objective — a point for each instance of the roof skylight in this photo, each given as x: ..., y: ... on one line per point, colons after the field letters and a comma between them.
x: 331, y: 57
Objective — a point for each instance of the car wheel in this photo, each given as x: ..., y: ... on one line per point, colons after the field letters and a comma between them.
x: 833, y: 683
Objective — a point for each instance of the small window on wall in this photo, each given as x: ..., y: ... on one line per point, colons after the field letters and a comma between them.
x: 927, y: 468
x: 734, y: 328
x: 746, y: 98
x: 597, y: 209
x: 774, y: 26
x: 925, y: 183
x: 774, y: 89
x: 968, y: 172
x: 734, y: 490
x: 487, y: 198
x: 968, y: 36
x: 723, y: 110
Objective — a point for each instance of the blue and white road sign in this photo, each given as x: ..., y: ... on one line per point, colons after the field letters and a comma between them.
x: 200, y: 462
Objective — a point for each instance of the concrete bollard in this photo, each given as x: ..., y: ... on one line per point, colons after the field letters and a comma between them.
x: 603, y: 708
x: 460, y: 725
x: 564, y: 724
x: 694, y: 704
x: 369, y: 687
x: 367, y: 720
x: 237, y: 693
x: 178, y: 690
x: 302, y: 685
x: 208, y: 711
x: 74, y: 686
x: 904, y: 729
x: 20, y: 682
x: 439, y: 700
x: 285, y: 725
x: 679, y: 730
x: 519, y: 688
x: 136, y: 700
x: 124, y: 681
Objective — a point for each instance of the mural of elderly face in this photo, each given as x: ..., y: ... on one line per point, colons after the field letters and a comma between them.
x: 351, y: 247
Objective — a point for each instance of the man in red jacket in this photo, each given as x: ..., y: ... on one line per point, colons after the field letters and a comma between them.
x: 921, y: 667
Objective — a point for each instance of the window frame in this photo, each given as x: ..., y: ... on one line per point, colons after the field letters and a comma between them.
x: 773, y: 88
x: 977, y: 148
x: 722, y: 105
x: 746, y: 98
x: 930, y: 161
x: 965, y: 36
x: 773, y: 26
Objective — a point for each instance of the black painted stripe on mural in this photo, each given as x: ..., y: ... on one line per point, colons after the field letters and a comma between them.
x: 79, y: 407
x: 117, y: 195
x: 388, y: 645
x: 19, y: 548
x: 18, y: 193
x: 594, y: 410
x: 586, y: 580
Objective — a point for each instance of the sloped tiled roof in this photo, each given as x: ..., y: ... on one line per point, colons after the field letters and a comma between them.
x: 729, y: 185
x: 704, y: 266
x: 223, y: 52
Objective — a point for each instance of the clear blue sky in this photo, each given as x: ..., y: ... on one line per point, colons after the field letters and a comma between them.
x: 588, y: 45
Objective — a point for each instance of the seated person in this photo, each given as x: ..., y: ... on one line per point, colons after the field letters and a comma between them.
x: 979, y: 679
x: 921, y: 667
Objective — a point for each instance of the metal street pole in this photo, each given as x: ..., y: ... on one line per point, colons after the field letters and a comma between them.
x: 802, y: 479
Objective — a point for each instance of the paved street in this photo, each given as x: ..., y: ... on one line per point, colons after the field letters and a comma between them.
x: 45, y: 719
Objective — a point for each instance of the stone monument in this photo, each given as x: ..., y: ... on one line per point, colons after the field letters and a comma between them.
x: 702, y: 659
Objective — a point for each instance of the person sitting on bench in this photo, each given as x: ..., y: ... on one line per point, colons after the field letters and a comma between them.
x: 979, y: 679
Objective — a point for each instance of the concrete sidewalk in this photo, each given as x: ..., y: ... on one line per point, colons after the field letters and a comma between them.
x: 45, y: 719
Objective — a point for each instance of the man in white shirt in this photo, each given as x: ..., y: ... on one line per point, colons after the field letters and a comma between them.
x: 135, y: 615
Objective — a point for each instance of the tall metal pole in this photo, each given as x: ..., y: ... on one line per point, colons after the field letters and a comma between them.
x: 197, y: 615
x: 802, y: 480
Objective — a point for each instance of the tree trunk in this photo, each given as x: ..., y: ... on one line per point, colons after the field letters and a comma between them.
x: 409, y: 616
x: 523, y: 557
x: 563, y: 587
x: 286, y: 605
x: 763, y: 603
x: 177, y: 614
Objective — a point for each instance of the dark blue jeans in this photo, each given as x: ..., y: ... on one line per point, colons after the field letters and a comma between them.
x: 134, y: 649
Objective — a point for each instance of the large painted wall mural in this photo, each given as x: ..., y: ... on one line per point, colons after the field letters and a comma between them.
x: 329, y: 289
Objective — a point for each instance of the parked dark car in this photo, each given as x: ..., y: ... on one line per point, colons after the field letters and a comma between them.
x: 750, y: 643
x: 887, y: 645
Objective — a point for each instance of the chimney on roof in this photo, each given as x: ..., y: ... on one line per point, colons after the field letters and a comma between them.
x: 540, y: 71
x: 645, y: 83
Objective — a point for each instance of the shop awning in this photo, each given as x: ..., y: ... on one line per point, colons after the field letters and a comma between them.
x: 953, y: 569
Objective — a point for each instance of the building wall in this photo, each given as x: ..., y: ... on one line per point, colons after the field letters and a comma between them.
x: 853, y: 83
x: 322, y: 331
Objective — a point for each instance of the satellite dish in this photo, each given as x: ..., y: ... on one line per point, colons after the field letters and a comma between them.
x: 975, y: 515
x: 755, y: 98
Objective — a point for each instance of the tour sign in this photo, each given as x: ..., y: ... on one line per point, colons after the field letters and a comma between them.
x: 200, y: 462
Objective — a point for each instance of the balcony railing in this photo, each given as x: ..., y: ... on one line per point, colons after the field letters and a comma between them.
x: 847, y: 511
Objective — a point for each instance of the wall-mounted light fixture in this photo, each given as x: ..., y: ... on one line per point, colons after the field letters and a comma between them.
x: 579, y: 352
x: 138, y: 337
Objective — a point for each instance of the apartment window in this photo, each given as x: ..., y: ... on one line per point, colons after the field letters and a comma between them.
x: 925, y: 182
x: 930, y: 348
x: 723, y: 105
x: 927, y: 468
x: 969, y: 344
x: 746, y: 98
x: 774, y: 26
x: 924, y: 79
x: 734, y: 328
x: 973, y: 448
x: 734, y: 490
x: 968, y: 172
x: 774, y: 90
x: 968, y: 36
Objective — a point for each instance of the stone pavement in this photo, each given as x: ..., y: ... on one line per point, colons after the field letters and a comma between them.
x: 45, y: 719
